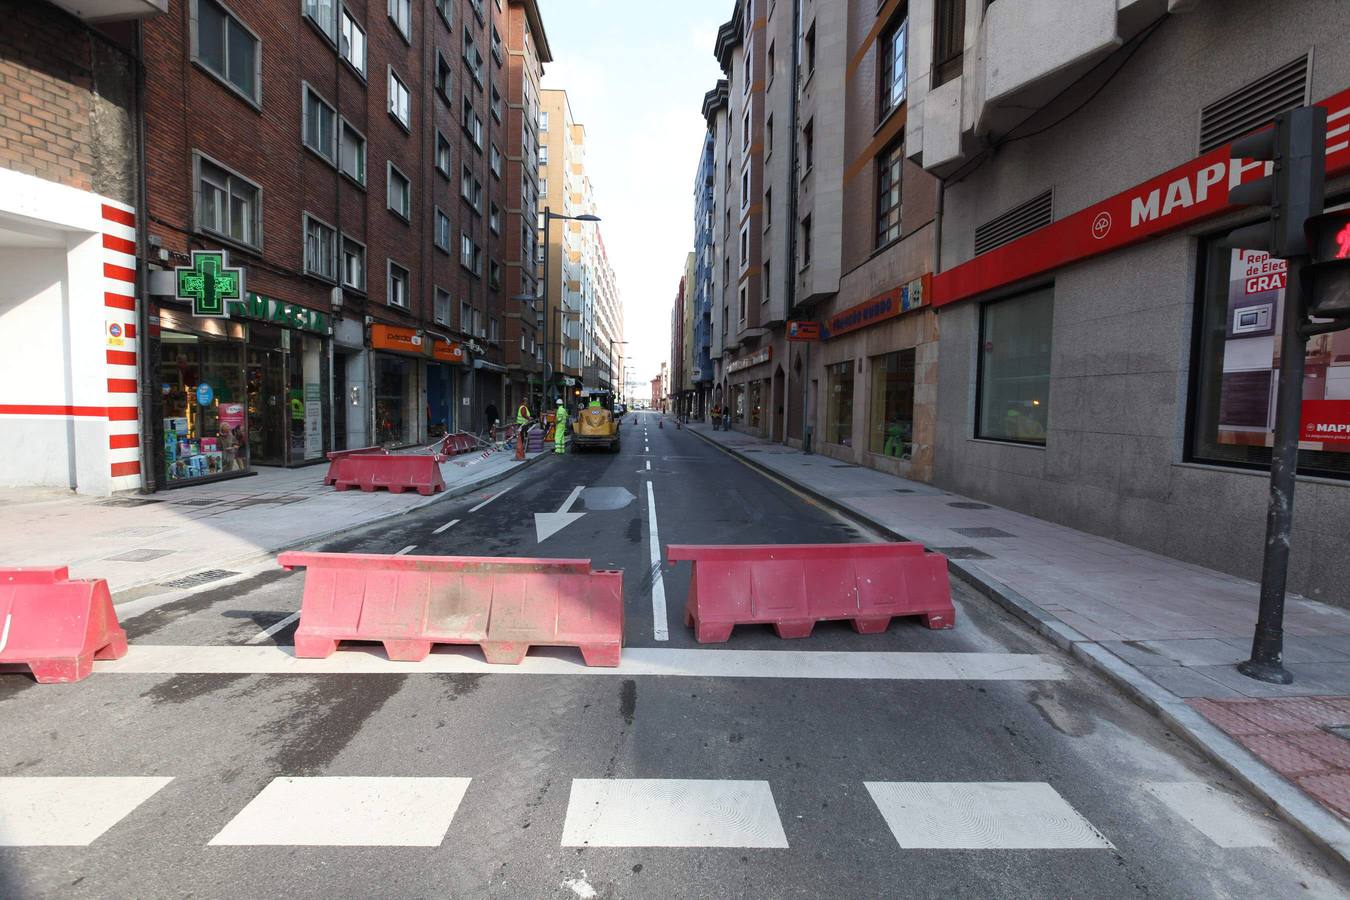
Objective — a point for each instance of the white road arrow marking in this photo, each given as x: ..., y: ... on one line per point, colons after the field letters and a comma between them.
x: 548, y: 524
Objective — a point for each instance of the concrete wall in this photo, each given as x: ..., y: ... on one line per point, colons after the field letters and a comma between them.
x: 1113, y: 463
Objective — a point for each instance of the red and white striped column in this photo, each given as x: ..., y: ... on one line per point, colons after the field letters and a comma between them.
x: 119, y: 301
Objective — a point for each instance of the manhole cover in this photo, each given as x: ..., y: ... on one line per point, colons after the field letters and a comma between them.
x: 139, y: 555
x: 962, y: 553
x: 983, y: 532
x: 126, y: 501
x: 842, y: 466
x: 969, y: 505
x: 197, y: 578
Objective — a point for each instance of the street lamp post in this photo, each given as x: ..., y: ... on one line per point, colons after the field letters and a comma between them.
x: 549, y: 217
x: 612, y: 344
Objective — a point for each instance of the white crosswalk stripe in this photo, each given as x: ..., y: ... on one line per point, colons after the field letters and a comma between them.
x: 991, y: 815
x: 1215, y: 815
x: 671, y: 812
x: 67, y: 812
x: 347, y: 812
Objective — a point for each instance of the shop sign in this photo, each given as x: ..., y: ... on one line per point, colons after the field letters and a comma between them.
x: 204, y: 394
x: 451, y: 352
x: 209, y: 284
x: 803, y: 331
x: 1327, y: 421
x: 1189, y: 193
x: 291, y: 315
x: 397, y: 339
x: 759, y: 357
x: 899, y: 299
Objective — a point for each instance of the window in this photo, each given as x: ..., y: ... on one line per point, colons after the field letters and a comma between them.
x: 494, y: 277
x: 891, y: 419
x: 809, y: 49
x: 352, y: 154
x: 442, y: 233
x: 441, y: 307
x: 478, y: 329
x: 320, y: 125
x: 892, y: 59
x: 226, y: 48
x: 323, y: 13
x: 745, y: 246
x: 768, y: 208
x: 473, y: 126
x: 839, y: 404
x: 543, y: 120
x: 543, y: 155
x: 228, y: 205
x: 495, y: 219
x: 745, y: 78
x: 353, y: 43
x: 443, y: 76
x: 465, y: 317
x: 745, y: 130
x: 353, y: 264
x: 496, y: 106
x: 1013, y: 400
x: 400, y: 105
x: 397, y: 285
x: 767, y: 280
x: 400, y: 193
x: 745, y: 189
x: 470, y: 256
x: 769, y: 64
x: 806, y: 242
x: 949, y: 39
x: 400, y: 12
x: 768, y: 136
x: 543, y: 186
x: 808, y: 146
x: 320, y: 248
x: 444, y: 7
x: 496, y: 161
x: 888, y: 193
x: 497, y: 54
x: 472, y: 58
x: 741, y: 318
x: 443, y: 161
x: 1241, y: 307
x: 471, y: 189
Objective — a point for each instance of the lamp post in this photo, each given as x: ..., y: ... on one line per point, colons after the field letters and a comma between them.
x: 549, y: 217
x: 612, y: 344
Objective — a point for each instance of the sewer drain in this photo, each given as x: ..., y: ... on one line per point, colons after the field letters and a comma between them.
x: 198, y: 578
x: 126, y: 501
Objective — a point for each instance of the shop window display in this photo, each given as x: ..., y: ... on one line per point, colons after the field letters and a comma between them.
x: 392, y: 385
x: 1233, y: 414
x: 738, y: 402
x: 1014, y: 384
x: 839, y: 404
x: 204, y: 420
x: 756, y: 403
x: 891, y: 423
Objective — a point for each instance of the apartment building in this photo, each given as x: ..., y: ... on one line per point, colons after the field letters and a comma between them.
x: 701, y: 370
x: 1105, y: 362
x: 70, y: 200
x: 818, y: 216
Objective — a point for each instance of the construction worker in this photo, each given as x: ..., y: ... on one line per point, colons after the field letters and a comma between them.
x: 560, y: 429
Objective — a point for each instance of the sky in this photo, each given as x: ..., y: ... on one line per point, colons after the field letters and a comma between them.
x: 635, y: 72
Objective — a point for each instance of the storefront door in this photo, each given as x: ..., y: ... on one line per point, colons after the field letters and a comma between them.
x: 268, y: 409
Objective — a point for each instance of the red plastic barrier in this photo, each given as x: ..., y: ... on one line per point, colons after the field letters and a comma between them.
x: 55, y: 626
x: 392, y: 471
x: 504, y: 605
x: 793, y: 586
x: 339, y: 454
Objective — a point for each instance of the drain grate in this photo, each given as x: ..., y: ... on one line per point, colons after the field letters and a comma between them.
x: 962, y: 552
x: 197, y: 578
x: 903, y: 490
x: 145, y: 555
x: 126, y: 501
x: 983, y: 532
x: 969, y: 505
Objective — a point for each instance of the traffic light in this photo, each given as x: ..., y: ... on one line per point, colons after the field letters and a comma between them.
x: 1327, y: 277
x: 1295, y: 188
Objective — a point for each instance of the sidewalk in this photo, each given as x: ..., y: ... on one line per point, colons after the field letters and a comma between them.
x: 139, y: 539
x: 1167, y: 631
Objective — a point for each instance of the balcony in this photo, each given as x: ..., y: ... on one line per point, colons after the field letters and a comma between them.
x: 112, y: 10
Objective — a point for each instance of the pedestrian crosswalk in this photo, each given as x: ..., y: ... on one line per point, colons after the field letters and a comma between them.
x: 350, y: 811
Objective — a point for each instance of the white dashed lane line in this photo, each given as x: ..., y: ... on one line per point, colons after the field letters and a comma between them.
x: 447, y: 525
x: 406, y: 550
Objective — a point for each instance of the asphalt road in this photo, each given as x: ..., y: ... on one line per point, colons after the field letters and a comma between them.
x: 966, y: 778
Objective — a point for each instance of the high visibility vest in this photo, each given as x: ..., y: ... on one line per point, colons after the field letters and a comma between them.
x: 522, y: 414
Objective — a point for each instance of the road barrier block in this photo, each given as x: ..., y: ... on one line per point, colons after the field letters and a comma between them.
x: 340, y: 454
x: 506, y: 606
x: 57, y: 626
x: 395, y: 472
x: 793, y: 586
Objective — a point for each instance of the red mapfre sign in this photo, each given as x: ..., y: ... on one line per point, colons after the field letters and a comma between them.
x: 1327, y: 421
x: 1189, y: 193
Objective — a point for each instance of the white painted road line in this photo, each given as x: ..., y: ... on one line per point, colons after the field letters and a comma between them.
x: 649, y: 465
x: 406, y: 550
x: 1213, y: 813
x: 660, y: 626
x: 269, y: 659
x: 268, y: 632
x: 67, y: 812
x: 674, y: 812
x: 990, y: 815
x: 451, y: 524
x: 490, y: 499
x: 347, y: 812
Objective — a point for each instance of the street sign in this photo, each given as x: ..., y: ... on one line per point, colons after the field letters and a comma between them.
x: 803, y: 331
x: 209, y: 283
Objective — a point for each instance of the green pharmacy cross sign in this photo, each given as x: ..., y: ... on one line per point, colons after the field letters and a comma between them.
x: 209, y: 282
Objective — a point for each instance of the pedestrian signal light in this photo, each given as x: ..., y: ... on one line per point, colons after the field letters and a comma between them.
x: 1327, y: 277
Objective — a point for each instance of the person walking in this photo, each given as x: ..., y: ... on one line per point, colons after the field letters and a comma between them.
x: 560, y: 429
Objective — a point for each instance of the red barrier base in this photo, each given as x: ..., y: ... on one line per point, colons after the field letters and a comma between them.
x: 410, y: 603
x: 55, y: 626
x: 396, y: 473
x: 794, y: 586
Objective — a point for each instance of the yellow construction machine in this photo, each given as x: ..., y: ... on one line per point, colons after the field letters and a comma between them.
x: 596, y: 424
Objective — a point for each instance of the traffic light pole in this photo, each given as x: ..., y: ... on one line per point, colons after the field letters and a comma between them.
x: 1267, y: 660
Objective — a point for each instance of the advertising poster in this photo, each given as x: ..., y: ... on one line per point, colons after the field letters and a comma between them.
x: 313, y: 422
x: 1256, y: 297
